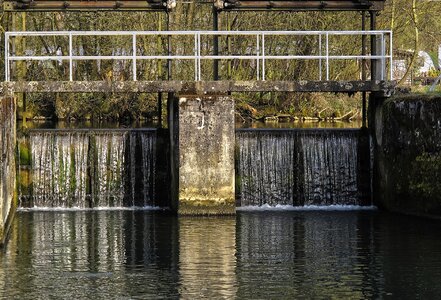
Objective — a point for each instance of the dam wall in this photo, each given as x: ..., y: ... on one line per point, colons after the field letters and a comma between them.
x: 407, y: 168
x: 7, y: 164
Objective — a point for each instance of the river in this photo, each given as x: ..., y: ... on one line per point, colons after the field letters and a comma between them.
x: 139, y: 254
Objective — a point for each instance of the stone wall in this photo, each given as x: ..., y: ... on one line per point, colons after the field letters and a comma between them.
x: 7, y: 163
x: 407, y: 170
x: 202, y: 134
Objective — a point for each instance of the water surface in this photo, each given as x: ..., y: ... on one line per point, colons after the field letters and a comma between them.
x: 255, y: 255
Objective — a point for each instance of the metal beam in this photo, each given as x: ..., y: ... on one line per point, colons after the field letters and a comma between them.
x: 329, y: 5
x: 197, y: 87
x: 72, y: 5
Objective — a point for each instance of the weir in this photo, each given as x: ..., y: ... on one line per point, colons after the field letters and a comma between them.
x: 301, y: 167
x: 191, y: 167
x: 276, y: 167
x: 89, y: 168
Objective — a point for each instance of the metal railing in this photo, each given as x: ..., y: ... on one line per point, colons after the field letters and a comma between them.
x: 260, y: 54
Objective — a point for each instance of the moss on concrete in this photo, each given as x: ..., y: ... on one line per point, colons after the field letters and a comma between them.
x: 408, y: 152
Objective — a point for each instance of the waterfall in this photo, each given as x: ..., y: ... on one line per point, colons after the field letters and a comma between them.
x: 330, y: 168
x: 90, y: 168
x: 142, y: 168
x: 108, y: 178
x: 59, y: 168
x: 266, y: 167
x: 301, y: 167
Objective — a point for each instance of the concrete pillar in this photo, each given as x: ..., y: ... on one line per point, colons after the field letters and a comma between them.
x: 202, y: 154
x: 7, y: 163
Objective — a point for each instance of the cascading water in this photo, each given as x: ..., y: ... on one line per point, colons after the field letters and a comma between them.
x: 266, y: 167
x: 301, y: 167
x: 91, y: 168
x: 329, y: 168
x: 142, y: 166
x: 59, y: 168
x: 108, y: 178
x: 116, y: 168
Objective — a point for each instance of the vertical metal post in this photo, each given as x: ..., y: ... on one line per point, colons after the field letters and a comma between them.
x: 327, y: 55
x: 263, y: 56
x: 373, y: 46
x: 383, y: 57
x: 70, y: 58
x: 320, y: 54
x: 363, y: 70
x: 363, y: 45
x: 199, y: 57
x: 134, y: 56
x: 229, y: 46
x: 169, y: 66
x: 160, y: 75
x: 258, y: 59
x: 215, y: 44
x: 196, y: 47
x: 391, y: 58
x: 7, y: 78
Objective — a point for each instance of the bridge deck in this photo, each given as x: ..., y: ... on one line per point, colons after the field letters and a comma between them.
x: 197, y: 87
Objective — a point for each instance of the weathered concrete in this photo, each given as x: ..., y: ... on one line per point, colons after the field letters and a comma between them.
x: 7, y: 164
x: 202, y: 148
x: 407, y: 170
x: 199, y: 87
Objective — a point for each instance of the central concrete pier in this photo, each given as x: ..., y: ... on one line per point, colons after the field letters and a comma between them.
x: 202, y: 154
x: 7, y: 164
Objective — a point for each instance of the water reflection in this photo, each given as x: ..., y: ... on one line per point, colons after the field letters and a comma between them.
x: 317, y: 251
x: 258, y: 255
x: 207, y: 260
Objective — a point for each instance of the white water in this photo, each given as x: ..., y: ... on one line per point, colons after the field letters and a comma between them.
x: 334, y: 207
x: 88, y: 169
x: 299, y: 168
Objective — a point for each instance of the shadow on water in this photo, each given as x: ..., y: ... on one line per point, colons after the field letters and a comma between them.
x: 142, y: 254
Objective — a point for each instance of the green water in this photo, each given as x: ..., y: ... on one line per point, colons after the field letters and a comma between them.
x: 255, y: 255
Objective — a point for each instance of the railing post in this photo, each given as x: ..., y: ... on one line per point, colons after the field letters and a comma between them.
x: 263, y: 56
x: 327, y: 55
x: 375, y: 62
x: 70, y: 58
x: 257, y: 54
x: 391, y: 58
x: 215, y: 44
x: 196, y: 47
x: 363, y: 70
x: 134, y: 56
x: 320, y: 54
x: 383, y: 56
x: 7, y: 78
x: 169, y: 48
x: 199, y: 56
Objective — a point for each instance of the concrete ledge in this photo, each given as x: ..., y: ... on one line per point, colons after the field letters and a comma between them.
x: 194, y: 207
x: 198, y: 87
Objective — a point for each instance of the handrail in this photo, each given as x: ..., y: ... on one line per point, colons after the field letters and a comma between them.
x: 260, y: 55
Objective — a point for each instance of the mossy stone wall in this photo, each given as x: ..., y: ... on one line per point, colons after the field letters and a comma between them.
x: 7, y: 163
x: 407, y: 174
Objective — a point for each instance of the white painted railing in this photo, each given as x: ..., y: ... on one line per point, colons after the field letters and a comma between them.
x: 260, y: 54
